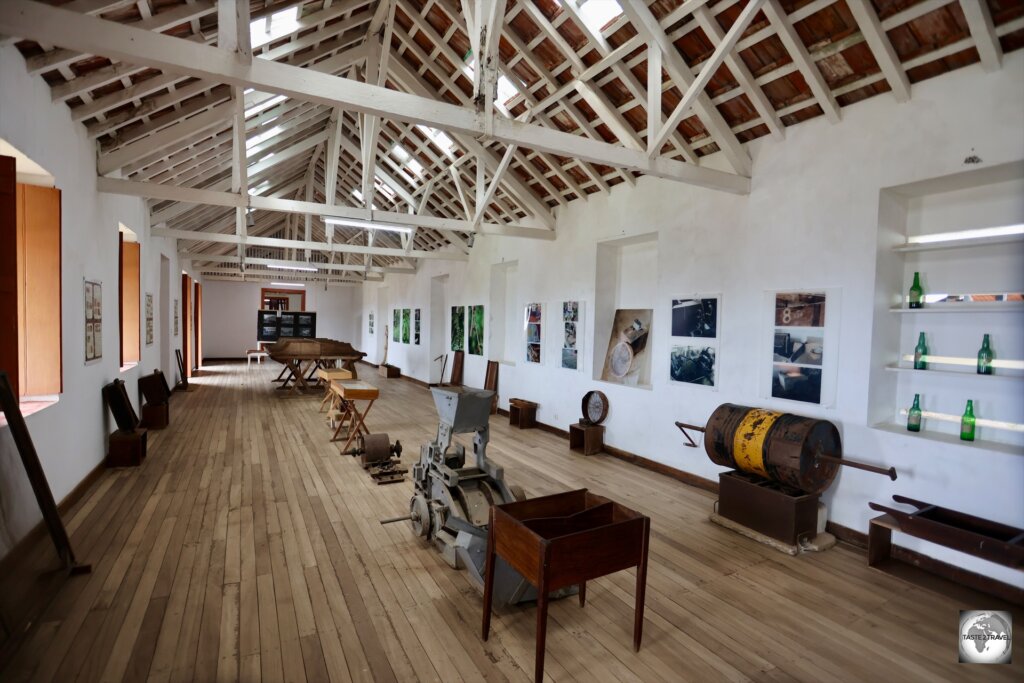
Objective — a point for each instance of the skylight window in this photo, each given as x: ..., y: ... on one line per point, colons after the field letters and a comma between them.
x: 267, y: 29
x: 597, y: 14
x: 439, y: 138
x: 407, y: 159
x: 262, y: 137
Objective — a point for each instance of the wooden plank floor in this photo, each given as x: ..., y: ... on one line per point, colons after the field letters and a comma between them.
x: 246, y: 549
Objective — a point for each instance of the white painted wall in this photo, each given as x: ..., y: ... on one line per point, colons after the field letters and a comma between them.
x: 229, y: 315
x: 70, y: 436
x: 811, y: 221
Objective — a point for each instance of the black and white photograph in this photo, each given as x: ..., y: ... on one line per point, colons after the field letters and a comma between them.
x: 796, y: 383
x: 570, y: 359
x: 800, y: 309
x: 800, y: 348
x: 693, y: 365
x: 533, y: 353
x: 695, y: 318
x: 571, y: 311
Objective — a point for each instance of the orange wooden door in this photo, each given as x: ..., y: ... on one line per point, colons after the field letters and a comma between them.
x: 198, y: 311
x: 186, y: 323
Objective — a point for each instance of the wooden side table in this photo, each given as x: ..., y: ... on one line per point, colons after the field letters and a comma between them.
x: 586, y: 438
x: 349, y: 391
x: 565, y: 540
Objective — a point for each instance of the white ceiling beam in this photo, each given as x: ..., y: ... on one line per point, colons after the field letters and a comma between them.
x: 221, y: 198
x: 55, y: 59
x: 227, y: 238
x: 645, y: 22
x: 489, y: 17
x: 217, y: 116
x: 40, y: 22
x: 738, y: 68
x: 802, y: 58
x: 708, y: 69
x: 864, y: 14
x: 201, y: 257
x: 233, y: 29
x: 654, y: 75
x: 609, y: 115
x: 983, y: 31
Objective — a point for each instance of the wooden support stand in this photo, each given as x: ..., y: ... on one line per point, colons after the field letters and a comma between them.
x: 586, y: 438
x: 768, y: 507
x: 566, y: 540
x: 127, y: 449
x: 156, y: 416
x: 522, y: 413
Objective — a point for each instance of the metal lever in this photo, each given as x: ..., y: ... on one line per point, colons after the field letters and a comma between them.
x: 891, y: 472
x: 392, y: 520
x: 683, y: 427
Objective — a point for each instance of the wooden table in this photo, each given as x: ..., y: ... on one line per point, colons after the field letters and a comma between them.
x: 564, y: 540
x: 325, y: 376
x: 348, y: 392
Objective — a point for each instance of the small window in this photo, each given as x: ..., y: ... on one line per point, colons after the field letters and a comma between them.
x: 30, y: 284
x: 129, y: 299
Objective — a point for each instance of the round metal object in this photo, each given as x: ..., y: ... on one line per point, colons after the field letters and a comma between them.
x: 595, y: 407
x: 375, y: 447
x: 779, y: 446
x: 419, y: 516
x: 621, y: 359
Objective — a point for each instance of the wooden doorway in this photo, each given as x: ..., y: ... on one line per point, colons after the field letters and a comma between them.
x: 186, y: 323
x: 197, y: 309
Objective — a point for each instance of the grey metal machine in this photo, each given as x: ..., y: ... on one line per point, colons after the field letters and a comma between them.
x: 452, y: 501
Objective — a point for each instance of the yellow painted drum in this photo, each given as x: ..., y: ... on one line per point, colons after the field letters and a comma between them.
x: 778, y: 446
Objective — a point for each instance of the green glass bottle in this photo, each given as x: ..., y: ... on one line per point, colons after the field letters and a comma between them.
x: 985, y: 357
x: 967, y: 423
x: 916, y: 298
x: 920, y: 353
x: 914, y: 415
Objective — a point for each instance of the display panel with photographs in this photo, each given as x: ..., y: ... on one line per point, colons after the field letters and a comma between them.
x: 175, y: 317
x: 458, y: 328
x: 534, y: 314
x: 369, y: 319
x: 628, y: 360
x: 572, y: 317
x: 93, y: 320
x: 406, y: 325
x: 149, y: 320
x: 476, y: 330
x: 396, y: 325
x: 798, y: 346
x: 693, y: 353
x: 416, y: 327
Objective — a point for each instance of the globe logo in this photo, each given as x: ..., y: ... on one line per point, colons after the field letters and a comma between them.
x: 986, y: 637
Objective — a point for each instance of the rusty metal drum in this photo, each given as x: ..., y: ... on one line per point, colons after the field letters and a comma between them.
x: 779, y: 446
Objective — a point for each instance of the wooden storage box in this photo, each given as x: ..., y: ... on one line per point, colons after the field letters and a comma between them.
x: 127, y: 449
x: 565, y: 540
x: 389, y: 371
x: 588, y: 439
x: 768, y: 507
x: 522, y: 413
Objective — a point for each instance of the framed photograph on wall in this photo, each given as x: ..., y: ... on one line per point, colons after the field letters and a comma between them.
x: 396, y: 325
x: 628, y: 359
x: 458, y: 328
x: 149, y: 320
x: 416, y: 327
x: 694, y: 347
x: 175, y: 317
x: 803, y: 329
x: 406, y: 325
x: 93, y: 293
x: 532, y: 322
x: 476, y: 330
x: 370, y: 322
x: 572, y: 335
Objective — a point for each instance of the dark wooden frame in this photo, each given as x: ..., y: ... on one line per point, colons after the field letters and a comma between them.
x: 265, y: 290
x: 37, y: 477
